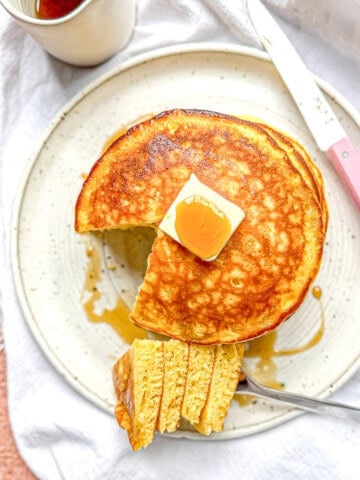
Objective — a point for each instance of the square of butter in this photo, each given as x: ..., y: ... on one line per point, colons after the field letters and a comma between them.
x: 201, y: 219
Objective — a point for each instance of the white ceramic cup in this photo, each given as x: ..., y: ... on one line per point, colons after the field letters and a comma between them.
x: 87, y: 36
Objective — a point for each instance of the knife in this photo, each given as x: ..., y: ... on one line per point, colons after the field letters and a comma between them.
x: 326, y: 129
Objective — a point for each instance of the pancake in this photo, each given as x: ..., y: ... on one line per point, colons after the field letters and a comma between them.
x: 224, y: 380
x: 176, y: 355
x: 211, y: 373
x: 264, y: 271
x: 200, y: 367
x: 303, y: 162
x: 138, y: 382
x: 318, y: 178
x: 124, y: 420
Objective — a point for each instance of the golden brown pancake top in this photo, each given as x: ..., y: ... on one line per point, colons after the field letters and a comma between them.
x: 265, y: 270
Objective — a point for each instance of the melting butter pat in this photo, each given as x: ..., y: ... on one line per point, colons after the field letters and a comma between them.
x: 201, y: 220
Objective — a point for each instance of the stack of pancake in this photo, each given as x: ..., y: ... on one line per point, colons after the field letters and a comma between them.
x: 157, y: 383
x: 265, y: 270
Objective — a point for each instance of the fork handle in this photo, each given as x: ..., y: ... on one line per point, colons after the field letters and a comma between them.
x: 339, y: 410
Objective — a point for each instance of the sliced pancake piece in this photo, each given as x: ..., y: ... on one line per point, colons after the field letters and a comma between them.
x: 200, y: 367
x: 265, y: 270
x: 224, y: 380
x: 176, y: 356
x: 124, y: 420
x: 138, y: 380
x: 240, y: 348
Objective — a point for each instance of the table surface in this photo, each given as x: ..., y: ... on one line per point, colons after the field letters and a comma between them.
x: 12, y: 466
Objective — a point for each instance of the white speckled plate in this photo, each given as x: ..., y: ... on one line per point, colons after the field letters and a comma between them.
x: 50, y: 258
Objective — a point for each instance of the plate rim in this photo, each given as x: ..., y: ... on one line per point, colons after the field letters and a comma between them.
x: 62, y: 370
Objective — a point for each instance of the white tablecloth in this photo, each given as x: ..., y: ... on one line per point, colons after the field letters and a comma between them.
x: 60, y: 434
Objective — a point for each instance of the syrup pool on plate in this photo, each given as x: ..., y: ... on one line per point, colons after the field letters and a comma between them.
x: 118, y: 316
x: 122, y: 131
x: 263, y: 348
x: 50, y: 9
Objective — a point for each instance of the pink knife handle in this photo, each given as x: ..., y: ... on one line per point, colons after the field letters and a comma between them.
x: 346, y: 160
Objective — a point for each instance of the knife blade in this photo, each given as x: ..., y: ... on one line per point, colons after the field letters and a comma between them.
x: 326, y: 129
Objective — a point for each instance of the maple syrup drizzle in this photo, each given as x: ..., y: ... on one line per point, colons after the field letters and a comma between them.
x: 50, y: 9
x: 316, y: 293
x: 121, y: 131
x: 264, y: 349
x: 117, y: 317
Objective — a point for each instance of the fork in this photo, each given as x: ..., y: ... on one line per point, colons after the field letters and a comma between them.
x: 249, y: 386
